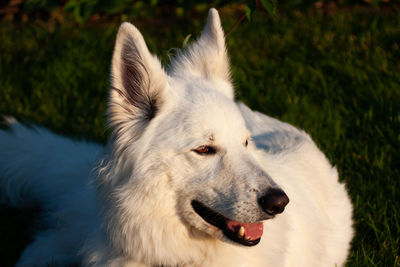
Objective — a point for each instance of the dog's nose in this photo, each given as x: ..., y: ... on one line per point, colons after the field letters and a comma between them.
x: 274, y: 201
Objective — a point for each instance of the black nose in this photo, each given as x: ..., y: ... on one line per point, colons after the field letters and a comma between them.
x: 274, y: 201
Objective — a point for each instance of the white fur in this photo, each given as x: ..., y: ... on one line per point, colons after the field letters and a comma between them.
x: 134, y: 208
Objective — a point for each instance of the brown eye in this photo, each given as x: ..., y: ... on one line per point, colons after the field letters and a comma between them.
x: 205, y: 150
x: 246, y: 143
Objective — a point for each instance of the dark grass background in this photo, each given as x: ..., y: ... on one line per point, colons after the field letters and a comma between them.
x: 334, y: 72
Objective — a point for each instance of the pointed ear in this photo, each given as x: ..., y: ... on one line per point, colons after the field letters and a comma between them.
x: 137, y: 81
x: 207, y: 57
x: 213, y: 34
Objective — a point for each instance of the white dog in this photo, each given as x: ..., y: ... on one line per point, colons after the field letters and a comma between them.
x: 189, y: 178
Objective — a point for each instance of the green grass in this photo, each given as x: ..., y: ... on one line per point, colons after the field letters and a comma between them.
x: 337, y: 77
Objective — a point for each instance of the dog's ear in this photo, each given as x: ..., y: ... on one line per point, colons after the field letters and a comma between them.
x: 207, y: 56
x: 137, y: 81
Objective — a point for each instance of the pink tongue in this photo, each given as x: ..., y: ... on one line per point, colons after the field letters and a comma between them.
x: 251, y: 230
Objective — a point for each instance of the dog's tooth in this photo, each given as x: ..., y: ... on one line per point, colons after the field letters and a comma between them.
x: 247, y: 238
x: 241, y: 231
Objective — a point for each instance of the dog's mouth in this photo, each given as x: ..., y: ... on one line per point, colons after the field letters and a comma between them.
x: 247, y: 234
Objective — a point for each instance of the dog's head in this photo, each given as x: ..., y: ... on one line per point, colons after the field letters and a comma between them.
x: 181, y: 139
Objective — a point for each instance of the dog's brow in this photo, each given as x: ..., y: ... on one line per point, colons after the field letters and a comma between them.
x: 210, y: 138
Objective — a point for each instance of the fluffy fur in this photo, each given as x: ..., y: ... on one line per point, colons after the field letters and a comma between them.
x: 129, y: 204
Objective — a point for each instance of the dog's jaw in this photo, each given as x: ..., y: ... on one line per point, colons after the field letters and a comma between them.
x: 247, y: 234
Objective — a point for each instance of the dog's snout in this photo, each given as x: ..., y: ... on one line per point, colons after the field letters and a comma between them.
x: 274, y: 201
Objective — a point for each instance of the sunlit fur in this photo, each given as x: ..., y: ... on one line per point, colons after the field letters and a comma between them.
x: 129, y: 204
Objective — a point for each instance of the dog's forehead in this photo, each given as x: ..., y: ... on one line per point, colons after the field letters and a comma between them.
x: 209, y: 112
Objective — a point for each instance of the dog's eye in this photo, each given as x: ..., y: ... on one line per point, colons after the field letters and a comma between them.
x: 205, y: 150
x: 247, y: 142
